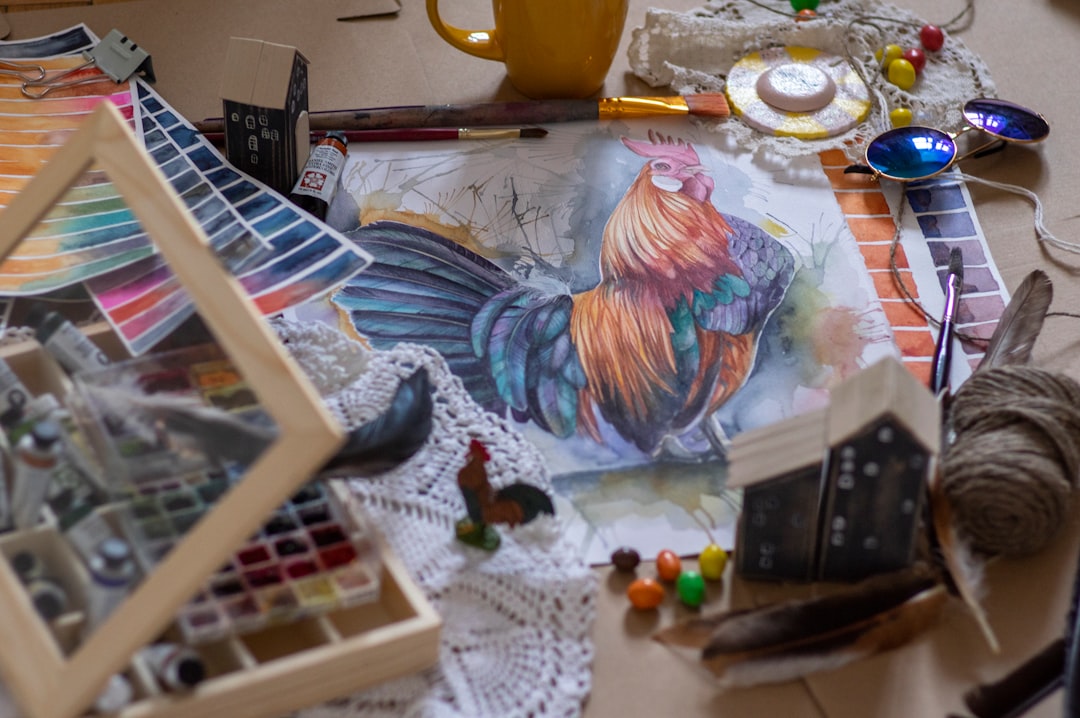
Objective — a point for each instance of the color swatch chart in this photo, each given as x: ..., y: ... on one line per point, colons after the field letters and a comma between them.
x: 308, y: 558
x: 940, y: 216
x: 281, y: 254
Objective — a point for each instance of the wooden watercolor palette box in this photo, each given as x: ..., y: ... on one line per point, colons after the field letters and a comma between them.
x: 276, y: 667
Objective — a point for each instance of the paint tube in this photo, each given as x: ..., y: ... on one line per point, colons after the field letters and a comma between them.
x: 85, y: 529
x: 48, y: 596
x: 27, y: 566
x: 7, y: 471
x: 112, y: 572
x: 40, y: 407
x: 37, y: 454
x: 318, y: 182
x: 177, y: 667
x: 13, y: 396
x: 72, y: 349
x: 117, y: 694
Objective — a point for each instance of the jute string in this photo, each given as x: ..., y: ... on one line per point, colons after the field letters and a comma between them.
x: 1012, y: 469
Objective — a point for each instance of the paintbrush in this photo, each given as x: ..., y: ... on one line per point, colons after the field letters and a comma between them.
x: 530, y: 112
x: 419, y: 134
x: 954, y: 284
x: 1022, y: 688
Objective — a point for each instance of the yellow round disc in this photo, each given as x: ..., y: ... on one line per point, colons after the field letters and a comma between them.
x: 848, y: 105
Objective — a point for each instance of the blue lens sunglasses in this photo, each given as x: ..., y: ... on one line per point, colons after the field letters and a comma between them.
x: 914, y: 153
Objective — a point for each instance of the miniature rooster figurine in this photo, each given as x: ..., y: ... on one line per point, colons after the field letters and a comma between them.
x: 515, y: 504
x: 668, y: 334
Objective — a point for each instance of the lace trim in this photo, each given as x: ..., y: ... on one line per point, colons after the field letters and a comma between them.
x: 692, y: 52
x: 516, y: 635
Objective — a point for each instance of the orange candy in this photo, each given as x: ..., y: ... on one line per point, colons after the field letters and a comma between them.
x: 668, y: 565
x: 645, y: 594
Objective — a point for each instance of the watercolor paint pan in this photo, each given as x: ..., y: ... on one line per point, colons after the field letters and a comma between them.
x: 134, y: 453
x: 306, y: 559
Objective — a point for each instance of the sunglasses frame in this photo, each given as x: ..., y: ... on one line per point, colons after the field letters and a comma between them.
x: 996, y: 144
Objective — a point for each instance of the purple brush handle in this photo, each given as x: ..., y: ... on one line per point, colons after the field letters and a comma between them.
x: 478, y: 115
x: 498, y: 113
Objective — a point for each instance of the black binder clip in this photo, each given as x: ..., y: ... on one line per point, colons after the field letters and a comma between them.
x: 116, y: 57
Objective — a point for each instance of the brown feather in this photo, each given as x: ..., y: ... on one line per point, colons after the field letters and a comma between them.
x: 885, y: 631
x: 791, y: 639
x: 1010, y: 344
x: 965, y: 569
x: 1020, y: 323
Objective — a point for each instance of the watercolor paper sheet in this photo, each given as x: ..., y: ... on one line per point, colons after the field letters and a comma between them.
x: 535, y: 213
x: 278, y: 252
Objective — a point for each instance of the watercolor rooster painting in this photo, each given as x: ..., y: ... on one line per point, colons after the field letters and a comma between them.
x: 629, y: 295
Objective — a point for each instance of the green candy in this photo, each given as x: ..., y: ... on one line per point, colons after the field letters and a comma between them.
x: 804, y: 5
x: 691, y: 588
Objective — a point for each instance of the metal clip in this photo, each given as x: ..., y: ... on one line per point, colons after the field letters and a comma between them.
x: 23, y: 71
x: 116, y: 56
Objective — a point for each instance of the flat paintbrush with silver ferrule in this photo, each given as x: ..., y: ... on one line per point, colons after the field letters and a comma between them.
x: 954, y: 284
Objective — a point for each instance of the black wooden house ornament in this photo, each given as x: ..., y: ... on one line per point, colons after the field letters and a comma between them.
x: 838, y: 494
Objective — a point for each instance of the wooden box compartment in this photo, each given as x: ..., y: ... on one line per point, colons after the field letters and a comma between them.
x: 280, y: 674
x: 271, y: 672
x: 262, y: 674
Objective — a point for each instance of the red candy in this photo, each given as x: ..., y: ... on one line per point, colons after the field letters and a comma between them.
x: 916, y: 57
x: 931, y: 37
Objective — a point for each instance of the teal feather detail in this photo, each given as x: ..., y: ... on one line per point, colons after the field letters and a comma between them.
x: 483, y: 322
x: 684, y: 342
x: 734, y: 284
x: 683, y: 331
x: 502, y: 355
x: 705, y: 301
x: 558, y: 377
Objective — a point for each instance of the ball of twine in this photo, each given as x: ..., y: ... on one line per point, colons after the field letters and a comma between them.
x: 1009, y: 475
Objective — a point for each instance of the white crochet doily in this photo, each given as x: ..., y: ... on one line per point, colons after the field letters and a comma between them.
x: 516, y: 622
x: 692, y: 52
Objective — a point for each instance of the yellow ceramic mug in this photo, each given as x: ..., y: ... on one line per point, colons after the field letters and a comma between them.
x: 551, y: 48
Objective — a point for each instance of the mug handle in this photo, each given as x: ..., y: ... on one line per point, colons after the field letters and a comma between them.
x: 480, y: 43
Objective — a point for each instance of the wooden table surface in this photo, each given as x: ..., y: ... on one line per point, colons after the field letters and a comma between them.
x: 1031, y: 51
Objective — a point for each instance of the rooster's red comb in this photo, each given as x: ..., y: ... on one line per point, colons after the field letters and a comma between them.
x: 661, y: 146
x: 475, y: 447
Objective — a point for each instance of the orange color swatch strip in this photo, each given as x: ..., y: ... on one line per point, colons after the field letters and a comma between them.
x: 871, y: 223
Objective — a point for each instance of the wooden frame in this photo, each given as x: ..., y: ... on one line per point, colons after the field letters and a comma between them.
x: 46, y: 683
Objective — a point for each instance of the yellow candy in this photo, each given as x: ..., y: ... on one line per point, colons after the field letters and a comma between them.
x: 886, y: 56
x: 712, y: 561
x: 902, y: 74
x: 900, y: 117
